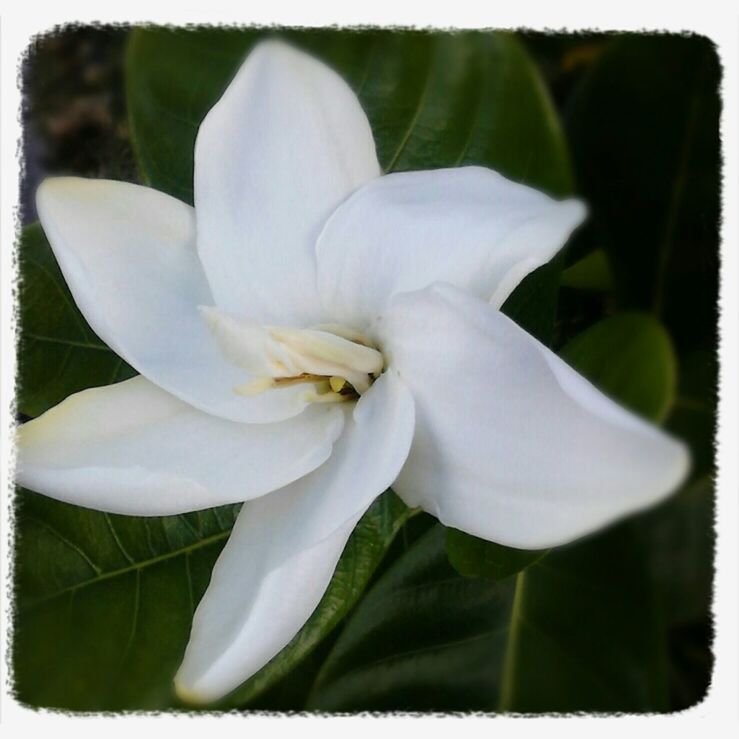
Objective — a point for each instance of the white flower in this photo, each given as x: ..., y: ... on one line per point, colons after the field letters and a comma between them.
x: 310, y: 334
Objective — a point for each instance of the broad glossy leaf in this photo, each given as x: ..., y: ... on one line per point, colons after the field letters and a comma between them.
x: 644, y: 132
x: 473, y: 557
x: 58, y: 352
x: 104, y: 603
x: 585, y: 631
x: 644, y: 129
x: 592, y: 272
x: 433, y: 99
x: 680, y: 537
x: 629, y: 357
x: 576, y: 631
x: 423, y: 638
x: 693, y: 415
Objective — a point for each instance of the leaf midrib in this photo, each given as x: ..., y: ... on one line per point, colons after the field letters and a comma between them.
x: 510, y: 658
x: 66, y: 342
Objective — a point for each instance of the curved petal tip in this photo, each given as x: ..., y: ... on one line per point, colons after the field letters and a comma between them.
x: 187, y: 695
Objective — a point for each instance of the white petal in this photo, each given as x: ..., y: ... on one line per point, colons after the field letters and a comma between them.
x: 286, y: 143
x: 128, y: 255
x: 132, y: 448
x: 468, y: 226
x: 284, y: 548
x: 511, y: 444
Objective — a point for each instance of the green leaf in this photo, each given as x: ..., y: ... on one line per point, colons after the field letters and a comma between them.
x: 591, y: 273
x: 693, y: 414
x: 644, y: 127
x: 680, y: 536
x: 473, y: 557
x: 629, y: 357
x: 104, y: 603
x: 433, y: 99
x: 585, y: 632
x: 58, y: 352
x: 644, y: 131
x: 576, y: 631
x: 423, y: 638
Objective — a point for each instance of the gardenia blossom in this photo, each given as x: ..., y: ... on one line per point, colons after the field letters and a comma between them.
x: 311, y: 333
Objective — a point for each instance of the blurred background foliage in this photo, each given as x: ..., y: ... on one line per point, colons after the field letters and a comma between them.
x: 417, y: 617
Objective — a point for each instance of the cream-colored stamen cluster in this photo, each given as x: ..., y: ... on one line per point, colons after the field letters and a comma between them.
x: 337, y: 364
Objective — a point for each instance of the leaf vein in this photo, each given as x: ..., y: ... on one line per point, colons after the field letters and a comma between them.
x: 68, y: 542
x: 130, y: 568
x: 414, y: 118
x: 66, y: 342
x: 116, y: 538
x: 134, y: 619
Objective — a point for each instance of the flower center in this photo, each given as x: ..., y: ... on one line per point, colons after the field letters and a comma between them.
x: 337, y: 363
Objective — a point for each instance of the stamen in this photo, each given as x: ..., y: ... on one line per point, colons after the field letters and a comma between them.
x: 255, y: 387
x: 329, y: 397
x: 337, y: 383
x: 305, y: 377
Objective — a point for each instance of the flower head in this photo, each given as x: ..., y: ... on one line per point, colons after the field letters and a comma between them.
x: 309, y: 334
